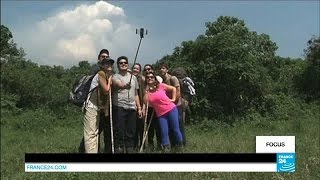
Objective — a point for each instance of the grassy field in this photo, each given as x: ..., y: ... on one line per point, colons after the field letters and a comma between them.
x: 41, y: 131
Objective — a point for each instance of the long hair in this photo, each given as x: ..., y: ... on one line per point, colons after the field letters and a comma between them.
x: 138, y: 64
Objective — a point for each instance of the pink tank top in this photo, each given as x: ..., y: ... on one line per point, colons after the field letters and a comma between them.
x: 160, y: 101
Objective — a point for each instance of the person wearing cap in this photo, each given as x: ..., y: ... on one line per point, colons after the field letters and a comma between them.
x: 104, y: 124
x: 97, y: 102
x: 126, y: 106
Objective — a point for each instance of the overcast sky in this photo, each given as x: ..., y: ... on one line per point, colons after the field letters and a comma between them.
x: 66, y: 32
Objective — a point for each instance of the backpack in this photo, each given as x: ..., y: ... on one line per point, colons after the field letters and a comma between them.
x: 80, y: 89
x: 187, y: 85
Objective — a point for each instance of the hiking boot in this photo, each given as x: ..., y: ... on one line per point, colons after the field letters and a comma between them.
x: 130, y: 150
x: 159, y: 148
x: 166, y: 149
x: 137, y: 149
x: 119, y: 150
x: 81, y: 149
x: 179, y: 149
x: 151, y: 147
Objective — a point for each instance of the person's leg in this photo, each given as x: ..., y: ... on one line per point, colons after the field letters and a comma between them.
x: 103, y: 128
x: 163, y: 124
x: 151, y: 128
x: 181, y: 124
x: 100, y: 138
x: 119, y: 118
x: 171, y: 137
x: 81, y: 146
x: 140, y: 131
x: 130, y: 129
x: 157, y: 130
x: 173, y: 121
x: 173, y: 140
x: 107, y: 134
x: 91, y: 130
x: 136, y: 135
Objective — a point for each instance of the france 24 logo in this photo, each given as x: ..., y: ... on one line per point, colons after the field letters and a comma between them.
x: 286, y: 162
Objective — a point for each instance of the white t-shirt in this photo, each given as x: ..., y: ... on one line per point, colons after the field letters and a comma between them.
x: 94, y: 83
x: 125, y: 97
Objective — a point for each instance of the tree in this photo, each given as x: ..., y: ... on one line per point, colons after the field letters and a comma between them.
x: 8, y: 47
x: 310, y: 80
x: 230, y: 66
x: 312, y: 52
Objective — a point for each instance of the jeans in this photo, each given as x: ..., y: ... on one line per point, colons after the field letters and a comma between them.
x: 181, y: 126
x: 154, y: 128
x: 168, y: 121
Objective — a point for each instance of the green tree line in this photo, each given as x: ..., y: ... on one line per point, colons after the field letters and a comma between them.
x: 236, y: 72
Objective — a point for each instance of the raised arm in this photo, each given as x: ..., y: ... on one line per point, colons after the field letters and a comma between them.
x: 103, y: 82
x: 145, y: 101
x: 175, y: 82
x: 139, y: 109
x: 173, y: 90
x: 118, y: 83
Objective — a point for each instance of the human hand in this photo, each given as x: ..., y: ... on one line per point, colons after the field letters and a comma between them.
x: 143, y: 112
x: 140, y: 113
x: 126, y: 86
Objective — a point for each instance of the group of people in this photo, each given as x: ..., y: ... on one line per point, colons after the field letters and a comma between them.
x: 126, y: 105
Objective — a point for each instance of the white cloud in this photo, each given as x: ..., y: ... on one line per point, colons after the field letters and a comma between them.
x: 79, y: 34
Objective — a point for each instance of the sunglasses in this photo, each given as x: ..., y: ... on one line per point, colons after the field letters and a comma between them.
x: 150, y: 77
x: 123, y: 63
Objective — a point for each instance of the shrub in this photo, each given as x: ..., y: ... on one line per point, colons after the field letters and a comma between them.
x: 282, y: 107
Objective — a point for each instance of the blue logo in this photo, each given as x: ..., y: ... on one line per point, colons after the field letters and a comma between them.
x: 286, y: 162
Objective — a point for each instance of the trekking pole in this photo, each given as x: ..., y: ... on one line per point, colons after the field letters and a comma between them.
x: 144, y: 126
x: 135, y: 59
x: 111, y: 124
x: 145, y: 135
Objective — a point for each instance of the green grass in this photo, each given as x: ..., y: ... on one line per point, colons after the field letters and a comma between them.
x: 41, y: 131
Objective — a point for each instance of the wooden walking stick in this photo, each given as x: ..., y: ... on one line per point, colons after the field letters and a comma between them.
x: 144, y: 126
x: 111, y: 124
x: 145, y: 135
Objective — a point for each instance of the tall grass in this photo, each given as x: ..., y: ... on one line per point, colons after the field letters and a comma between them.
x: 43, y: 131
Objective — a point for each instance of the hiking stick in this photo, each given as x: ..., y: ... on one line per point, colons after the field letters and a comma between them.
x: 144, y: 126
x: 145, y: 135
x: 111, y: 124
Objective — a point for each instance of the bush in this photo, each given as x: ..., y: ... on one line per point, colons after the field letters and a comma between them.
x: 8, y: 104
x: 282, y: 107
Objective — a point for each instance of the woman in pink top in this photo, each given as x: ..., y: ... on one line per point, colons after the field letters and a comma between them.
x: 164, y: 107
